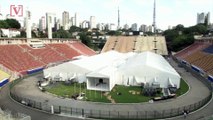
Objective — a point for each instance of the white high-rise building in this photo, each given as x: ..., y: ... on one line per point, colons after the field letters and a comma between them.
x: 126, y: 26
x: 50, y: 23
x: 150, y: 28
x: 42, y: 25
x: 58, y: 24
x: 65, y: 20
x: 143, y: 28
x: 72, y: 21
x: 101, y: 26
x: 85, y: 24
x: 134, y: 27
x: 113, y: 27
x: 28, y: 24
x: 92, y: 22
x: 201, y: 17
x: 76, y: 20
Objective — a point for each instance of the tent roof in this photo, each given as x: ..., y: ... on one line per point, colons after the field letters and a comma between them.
x: 106, y: 64
x: 101, y: 60
x: 140, y: 62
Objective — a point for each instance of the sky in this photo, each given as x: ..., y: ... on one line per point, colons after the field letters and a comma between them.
x: 168, y: 12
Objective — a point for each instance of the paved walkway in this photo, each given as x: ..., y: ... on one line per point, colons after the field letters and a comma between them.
x: 27, y: 88
x: 6, y: 103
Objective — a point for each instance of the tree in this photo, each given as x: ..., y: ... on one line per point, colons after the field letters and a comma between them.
x: 61, y: 33
x: 179, y: 27
x: 42, y: 35
x: 85, y: 39
x: 4, y: 24
x: 176, y: 41
x: 114, y: 33
x: 33, y: 34
x: 75, y: 29
x: 13, y: 23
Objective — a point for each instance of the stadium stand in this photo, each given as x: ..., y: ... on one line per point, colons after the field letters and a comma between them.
x: 191, y: 49
x: 138, y: 44
x: 206, y: 63
x: 81, y: 48
x: 64, y: 50
x: 209, y: 49
x: 210, y: 72
x: 46, y: 54
x: 3, y: 75
x: 195, y: 56
x: 110, y: 44
x: 24, y: 58
x: 4, y: 78
x: 199, y: 56
x: 16, y: 59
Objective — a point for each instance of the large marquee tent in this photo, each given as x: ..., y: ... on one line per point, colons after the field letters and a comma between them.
x: 103, y: 71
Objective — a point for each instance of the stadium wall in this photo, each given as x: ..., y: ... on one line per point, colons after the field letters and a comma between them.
x: 3, y: 82
x: 34, y: 70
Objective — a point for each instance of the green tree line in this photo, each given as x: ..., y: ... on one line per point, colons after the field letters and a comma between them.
x: 180, y: 37
x: 10, y: 23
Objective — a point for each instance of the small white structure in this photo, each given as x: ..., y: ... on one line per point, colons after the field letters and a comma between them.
x: 102, y: 72
x: 10, y: 32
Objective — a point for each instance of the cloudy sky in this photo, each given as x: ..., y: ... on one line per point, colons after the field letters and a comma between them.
x: 169, y: 12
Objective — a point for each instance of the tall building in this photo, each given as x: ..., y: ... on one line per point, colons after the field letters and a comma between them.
x: 58, y: 24
x: 101, y: 26
x: 76, y: 23
x: 42, y: 25
x: 149, y: 29
x: 92, y: 22
x: 85, y: 24
x: 134, y: 27
x: 143, y: 28
x: 110, y: 26
x: 72, y: 19
x: 50, y: 23
x: 65, y: 20
x: 201, y: 17
x: 126, y: 26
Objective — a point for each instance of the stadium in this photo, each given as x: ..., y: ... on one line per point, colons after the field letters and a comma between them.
x: 124, y: 60
x: 69, y: 69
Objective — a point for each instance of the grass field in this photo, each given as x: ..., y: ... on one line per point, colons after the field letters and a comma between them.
x: 63, y: 90
x: 183, y: 88
x: 127, y: 94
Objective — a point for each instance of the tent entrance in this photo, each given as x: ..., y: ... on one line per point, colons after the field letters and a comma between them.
x: 99, y: 84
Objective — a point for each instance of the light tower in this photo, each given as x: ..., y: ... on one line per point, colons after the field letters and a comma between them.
x: 154, y: 26
x: 118, y: 18
x: 154, y: 17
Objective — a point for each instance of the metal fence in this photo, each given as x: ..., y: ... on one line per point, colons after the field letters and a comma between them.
x: 91, y: 113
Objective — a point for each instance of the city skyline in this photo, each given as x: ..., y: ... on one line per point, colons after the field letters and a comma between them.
x: 168, y: 13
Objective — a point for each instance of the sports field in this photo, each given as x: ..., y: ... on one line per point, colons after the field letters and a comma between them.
x: 119, y: 94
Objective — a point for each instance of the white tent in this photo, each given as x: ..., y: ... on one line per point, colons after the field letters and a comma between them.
x: 148, y: 67
x: 103, y: 71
